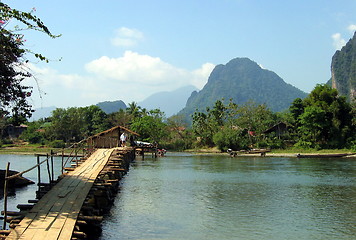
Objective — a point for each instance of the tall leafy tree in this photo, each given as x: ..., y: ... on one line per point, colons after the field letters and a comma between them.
x: 325, y: 120
x: 73, y: 124
x: 120, y: 118
x: 94, y: 120
x: 150, y: 126
x: 134, y: 110
x: 13, y: 94
x: 206, y: 124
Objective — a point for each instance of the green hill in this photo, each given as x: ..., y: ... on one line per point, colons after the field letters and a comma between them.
x: 243, y: 80
x: 110, y: 107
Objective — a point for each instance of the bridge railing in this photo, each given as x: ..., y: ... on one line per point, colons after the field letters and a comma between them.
x: 74, y: 153
x: 70, y: 154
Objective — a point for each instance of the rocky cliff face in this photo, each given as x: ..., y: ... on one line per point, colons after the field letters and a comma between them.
x: 343, y: 70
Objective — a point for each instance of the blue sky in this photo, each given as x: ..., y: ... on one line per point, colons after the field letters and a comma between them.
x: 127, y: 50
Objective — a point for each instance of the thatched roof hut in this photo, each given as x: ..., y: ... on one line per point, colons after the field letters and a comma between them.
x: 109, y: 138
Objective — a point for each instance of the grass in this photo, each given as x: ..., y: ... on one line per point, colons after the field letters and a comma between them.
x: 26, y: 149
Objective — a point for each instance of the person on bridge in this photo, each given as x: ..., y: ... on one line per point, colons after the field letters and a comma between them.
x: 123, y: 139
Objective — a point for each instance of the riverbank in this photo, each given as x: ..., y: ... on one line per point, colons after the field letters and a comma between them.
x: 40, y: 149
x: 275, y: 152
x: 27, y: 149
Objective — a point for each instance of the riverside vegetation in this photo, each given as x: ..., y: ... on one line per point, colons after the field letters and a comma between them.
x: 323, y: 120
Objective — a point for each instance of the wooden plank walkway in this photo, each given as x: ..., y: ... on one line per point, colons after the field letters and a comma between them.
x: 55, y: 214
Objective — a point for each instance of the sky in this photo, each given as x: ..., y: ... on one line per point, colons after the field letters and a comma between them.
x: 128, y: 50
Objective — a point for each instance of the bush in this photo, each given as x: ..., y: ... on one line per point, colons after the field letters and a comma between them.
x: 229, y: 138
x: 306, y: 145
x: 57, y: 144
x: 353, y: 146
x: 7, y: 141
x: 178, y: 144
x: 35, y: 138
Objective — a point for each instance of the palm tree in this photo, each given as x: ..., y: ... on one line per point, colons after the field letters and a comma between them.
x: 134, y: 109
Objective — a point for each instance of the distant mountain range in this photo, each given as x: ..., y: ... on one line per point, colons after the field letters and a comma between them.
x: 43, y: 112
x: 242, y: 80
x: 169, y: 102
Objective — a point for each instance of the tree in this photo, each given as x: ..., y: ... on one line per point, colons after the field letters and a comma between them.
x: 120, y: 118
x: 134, y: 110
x: 73, y: 124
x: 206, y: 124
x: 324, y: 119
x: 254, y: 117
x: 94, y: 120
x: 312, y: 125
x: 179, y: 136
x: 66, y: 125
x: 13, y: 94
x: 150, y: 126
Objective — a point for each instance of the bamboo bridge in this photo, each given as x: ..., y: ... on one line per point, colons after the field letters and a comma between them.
x: 73, y: 206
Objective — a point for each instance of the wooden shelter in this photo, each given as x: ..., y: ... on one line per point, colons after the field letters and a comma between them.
x: 109, y: 138
x: 279, y: 129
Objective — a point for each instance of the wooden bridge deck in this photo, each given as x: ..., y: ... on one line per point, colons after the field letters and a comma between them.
x: 55, y: 214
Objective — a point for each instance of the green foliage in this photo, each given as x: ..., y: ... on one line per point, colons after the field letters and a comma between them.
x: 323, y: 119
x: 205, y: 125
x: 74, y: 124
x: 120, y: 118
x: 33, y: 134
x: 150, y: 125
x: 254, y: 117
x: 231, y: 138
x: 13, y: 94
x: 57, y: 144
x: 178, y: 137
x: 233, y: 126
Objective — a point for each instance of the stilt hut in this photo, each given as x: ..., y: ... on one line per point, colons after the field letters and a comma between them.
x: 109, y: 138
x: 280, y: 130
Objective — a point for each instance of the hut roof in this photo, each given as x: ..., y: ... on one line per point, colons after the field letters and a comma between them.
x: 113, y: 129
x: 276, y: 127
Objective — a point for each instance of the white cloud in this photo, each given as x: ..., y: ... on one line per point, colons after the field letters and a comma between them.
x: 150, y: 71
x: 131, y: 77
x: 352, y: 28
x: 126, y: 37
x: 338, y: 41
x: 201, y: 75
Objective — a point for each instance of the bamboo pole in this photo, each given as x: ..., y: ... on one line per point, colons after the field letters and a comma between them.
x: 52, y: 168
x: 38, y: 170
x: 5, y: 195
x: 48, y: 170
x: 20, y: 174
x: 62, y: 159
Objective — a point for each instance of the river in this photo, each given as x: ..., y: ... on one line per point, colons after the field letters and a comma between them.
x: 186, y: 196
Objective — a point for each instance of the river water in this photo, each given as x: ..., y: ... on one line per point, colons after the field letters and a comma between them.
x: 185, y: 196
